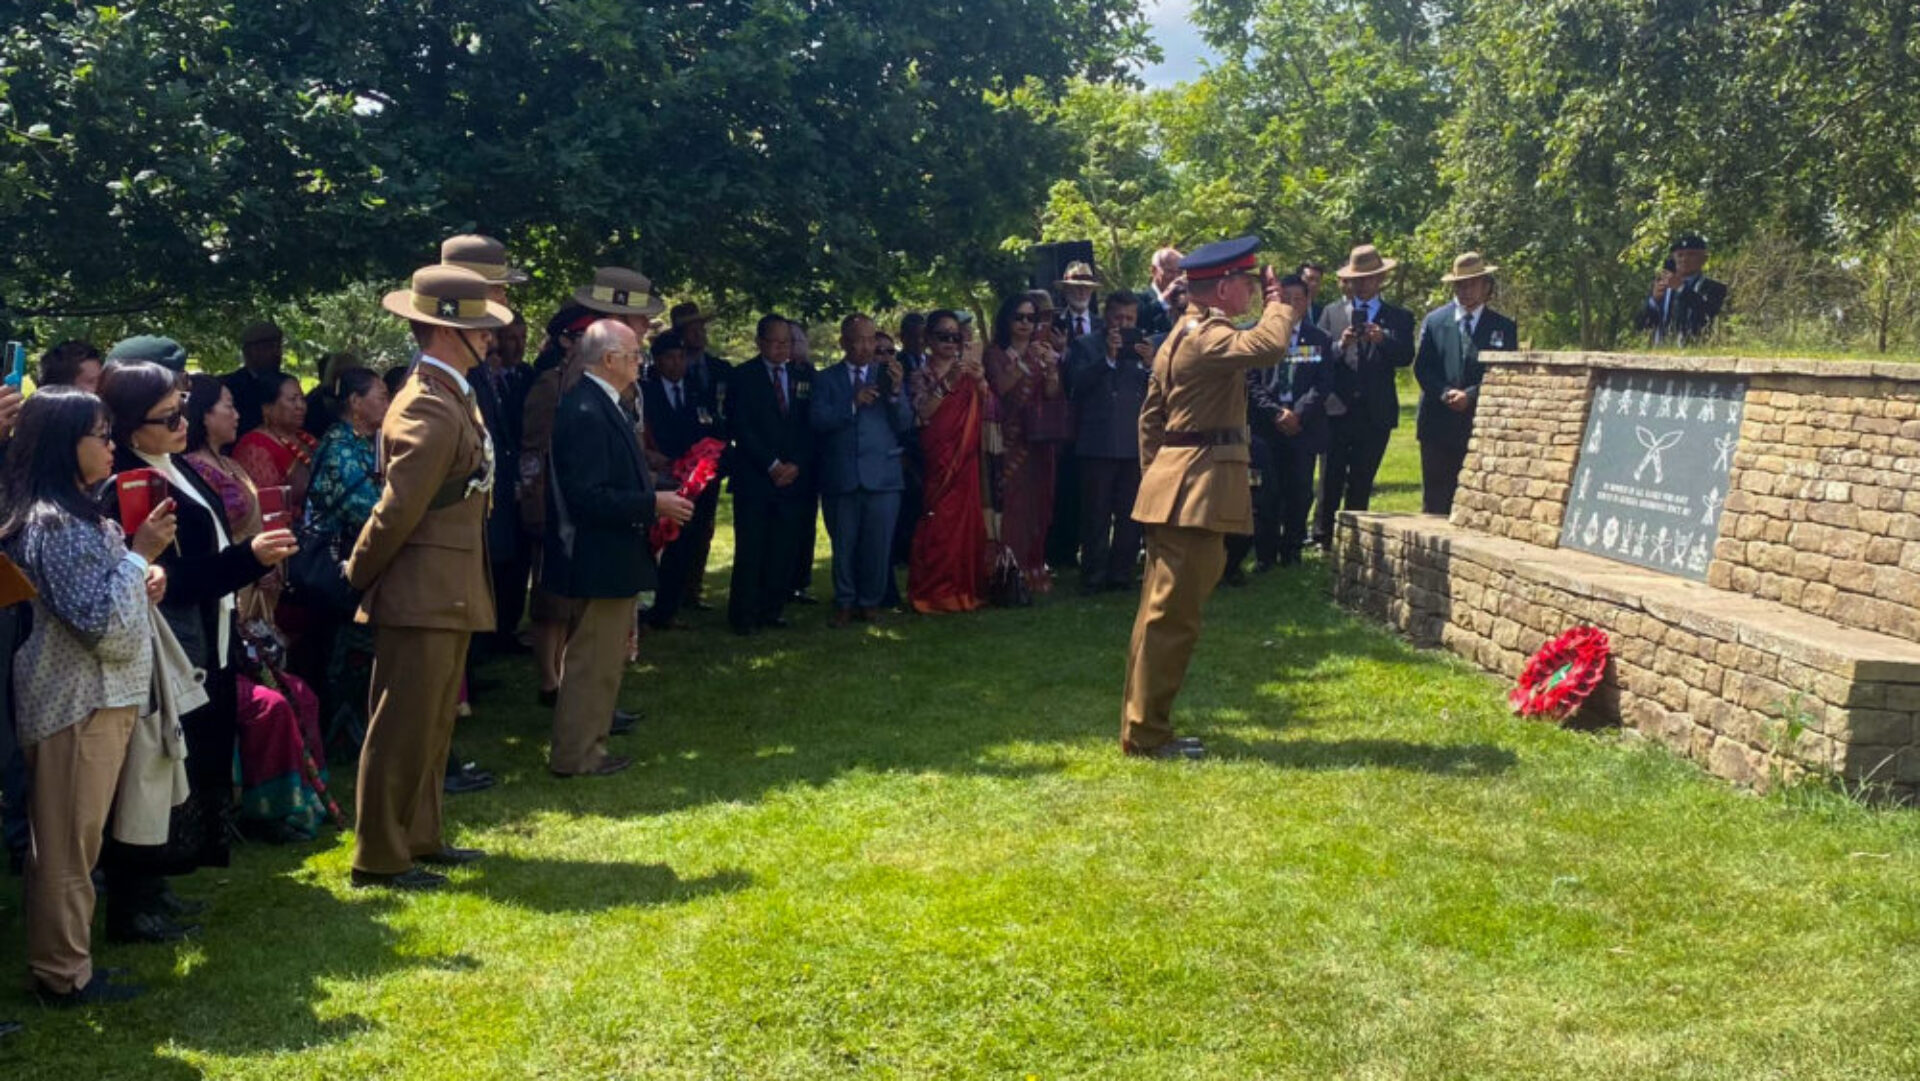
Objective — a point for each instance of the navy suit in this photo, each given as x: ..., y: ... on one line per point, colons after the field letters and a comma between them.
x: 1684, y: 316
x: 501, y: 396
x: 858, y: 448
x: 772, y: 525
x: 674, y: 430
x: 1449, y: 360
x: 1284, y: 493
x: 1106, y: 402
x: 600, y: 505
x: 1363, y: 408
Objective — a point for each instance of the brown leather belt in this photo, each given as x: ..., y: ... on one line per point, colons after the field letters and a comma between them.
x: 1207, y: 437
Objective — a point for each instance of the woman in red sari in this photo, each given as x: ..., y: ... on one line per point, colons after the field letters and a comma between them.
x: 279, y: 453
x: 1024, y: 373
x: 947, y: 571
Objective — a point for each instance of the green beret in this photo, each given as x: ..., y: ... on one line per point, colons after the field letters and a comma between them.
x: 151, y: 347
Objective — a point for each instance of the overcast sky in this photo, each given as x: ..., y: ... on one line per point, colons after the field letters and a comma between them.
x: 1178, y: 40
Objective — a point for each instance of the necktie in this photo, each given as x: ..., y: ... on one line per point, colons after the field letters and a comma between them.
x: 780, y: 386
x: 674, y: 392
x: 1471, y: 320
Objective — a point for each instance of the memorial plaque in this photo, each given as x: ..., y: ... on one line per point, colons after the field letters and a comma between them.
x: 1652, y: 475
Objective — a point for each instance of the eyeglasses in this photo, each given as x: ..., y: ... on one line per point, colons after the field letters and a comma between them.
x: 104, y: 436
x: 172, y: 422
x: 947, y: 337
x: 1023, y: 317
x: 886, y: 352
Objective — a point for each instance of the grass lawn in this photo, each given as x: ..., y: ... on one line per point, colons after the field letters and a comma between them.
x: 915, y: 852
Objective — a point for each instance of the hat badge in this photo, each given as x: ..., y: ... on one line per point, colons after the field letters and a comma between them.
x: 620, y: 297
x: 448, y: 309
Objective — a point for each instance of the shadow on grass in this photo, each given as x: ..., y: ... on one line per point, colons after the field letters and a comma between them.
x: 557, y: 886
x: 1441, y: 759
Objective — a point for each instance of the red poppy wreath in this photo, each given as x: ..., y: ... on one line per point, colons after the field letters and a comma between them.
x: 1561, y: 676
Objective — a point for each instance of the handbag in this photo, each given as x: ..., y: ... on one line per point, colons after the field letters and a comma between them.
x: 317, y: 573
x: 1049, y: 420
x: 1007, y: 584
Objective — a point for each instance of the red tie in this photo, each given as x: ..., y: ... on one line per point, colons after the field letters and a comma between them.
x: 779, y: 388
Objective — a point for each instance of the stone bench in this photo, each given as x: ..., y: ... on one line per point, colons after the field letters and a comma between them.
x: 1746, y: 530
x: 1752, y: 689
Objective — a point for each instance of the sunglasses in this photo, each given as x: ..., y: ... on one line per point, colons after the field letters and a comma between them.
x: 172, y: 422
x: 1023, y: 317
x: 948, y: 337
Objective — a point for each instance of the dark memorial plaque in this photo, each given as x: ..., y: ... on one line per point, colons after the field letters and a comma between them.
x: 1652, y: 476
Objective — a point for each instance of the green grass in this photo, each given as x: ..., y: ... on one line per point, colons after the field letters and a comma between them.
x: 915, y: 852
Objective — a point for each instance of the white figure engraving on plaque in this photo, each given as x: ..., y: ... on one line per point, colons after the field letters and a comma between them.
x: 1586, y: 477
x: 1660, y: 546
x: 1592, y: 532
x: 1657, y: 447
x: 1683, y: 405
x: 1680, y: 545
x: 1666, y: 401
x: 1697, y: 559
x: 1605, y: 401
x: 1572, y: 529
x: 1725, y: 444
x: 1713, y: 502
x: 1707, y: 403
x: 1593, y: 441
x: 1610, y: 536
x: 1646, y: 398
x: 1640, y: 542
x: 1626, y: 399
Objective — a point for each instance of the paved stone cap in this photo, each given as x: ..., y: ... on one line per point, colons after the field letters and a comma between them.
x: 1731, y: 364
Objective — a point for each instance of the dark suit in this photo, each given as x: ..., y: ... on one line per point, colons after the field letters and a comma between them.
x: 1449, y: 360
x: 1363, y: 408
x: 1154, y: 317
x: 1106, y: 404
x: 772, y: 526
x: 913, y: 472
x: 599, y: 510
x: 1684, y: 316
x: 860, y: 480
x: 709, y: 373
x: 673, y: 432
x: 1063, y: 532
x: 501, y: 396
x: 1284, y: 493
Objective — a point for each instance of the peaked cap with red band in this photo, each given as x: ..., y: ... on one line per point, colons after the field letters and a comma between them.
x: 1222, y: 258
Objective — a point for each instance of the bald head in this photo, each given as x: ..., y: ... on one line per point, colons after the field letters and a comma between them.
x: 1166, y: 267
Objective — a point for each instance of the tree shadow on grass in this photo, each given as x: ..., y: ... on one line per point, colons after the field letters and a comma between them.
x: 578, y: 886
x: 1440, y: 759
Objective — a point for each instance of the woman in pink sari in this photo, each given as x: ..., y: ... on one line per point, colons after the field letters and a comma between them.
x: 1025, y: 376
x: 947, y: 571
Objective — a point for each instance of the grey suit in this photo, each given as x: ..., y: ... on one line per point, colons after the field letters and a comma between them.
x: 860, y: 479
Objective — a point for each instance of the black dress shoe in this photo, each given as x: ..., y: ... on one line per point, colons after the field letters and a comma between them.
x: 550, y: 698
x: 623, y: 722
x: 8, y: 1028
x: 1176, y: 751
x: 171, y: 904
x: 412, y: 879
x: 1289, y: 559
x: 697, y: 606
x: 1234, y: 577
x: 801, y: 596
x: 99, y: 991
x: 147, y: 928
x: 467, y: 780
x: 608, y: 766
x: 778, y: 623
x: 1263, y: 566
x: 449, y: 856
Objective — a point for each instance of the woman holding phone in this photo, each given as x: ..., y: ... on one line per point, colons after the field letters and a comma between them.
x: 206, y: 568
x: 82, y: 673
x: 948, y: 568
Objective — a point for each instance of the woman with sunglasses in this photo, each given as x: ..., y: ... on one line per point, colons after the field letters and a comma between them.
x: 1024, y: 372
x: 948, y: 568
x: 81, y: 675
x: 205, y: 569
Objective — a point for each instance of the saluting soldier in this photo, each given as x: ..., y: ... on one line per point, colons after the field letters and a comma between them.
x: 422, y: 560
x: 1194, y: 486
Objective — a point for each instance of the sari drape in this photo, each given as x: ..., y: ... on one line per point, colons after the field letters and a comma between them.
x: 947, y: 571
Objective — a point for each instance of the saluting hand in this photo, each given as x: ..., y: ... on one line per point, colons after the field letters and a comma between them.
x: 1269, y: 283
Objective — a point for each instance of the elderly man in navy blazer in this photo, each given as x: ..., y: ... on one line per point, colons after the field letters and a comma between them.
x: 859, y: 413
x: 1448, y: 369
x: 601, y: 506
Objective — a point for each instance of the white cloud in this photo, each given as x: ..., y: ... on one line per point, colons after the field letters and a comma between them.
x: 1178, y: 39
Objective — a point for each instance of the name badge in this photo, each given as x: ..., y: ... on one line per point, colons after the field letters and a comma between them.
x: 703, y: 416
x: 1498, y: 341
x: 802, y: 391
x: 1253, y: 478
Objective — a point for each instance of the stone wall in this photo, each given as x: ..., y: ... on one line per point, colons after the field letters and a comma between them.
x: 1824, y: 510
x: 1526, y: 437
x: 1751, y: 690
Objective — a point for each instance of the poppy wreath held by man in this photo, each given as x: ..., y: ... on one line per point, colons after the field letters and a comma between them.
x: 1561, y: 676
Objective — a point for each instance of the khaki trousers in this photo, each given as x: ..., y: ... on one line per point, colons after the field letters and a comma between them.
x: 75, y: 772
x: 1183, y: 566
x: 590, y: 671
x: 415, y: 688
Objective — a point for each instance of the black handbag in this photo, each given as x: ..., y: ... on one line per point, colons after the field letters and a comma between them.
x: 317, y: 573
x: 1007, y: 585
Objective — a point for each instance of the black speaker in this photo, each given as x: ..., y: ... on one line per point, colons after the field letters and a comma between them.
x: 1049, y: 262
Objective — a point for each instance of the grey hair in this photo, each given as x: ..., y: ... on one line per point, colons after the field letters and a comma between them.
x: 601, y: 338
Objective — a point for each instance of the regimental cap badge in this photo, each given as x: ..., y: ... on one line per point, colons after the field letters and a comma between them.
x: 448, y: 309
x: 620, y: 297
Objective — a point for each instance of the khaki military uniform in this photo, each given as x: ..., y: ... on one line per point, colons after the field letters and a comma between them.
x: 1194, y: 491
x: 422, y: 560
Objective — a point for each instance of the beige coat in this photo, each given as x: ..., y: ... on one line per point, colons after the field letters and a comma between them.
x: 423, y: 566
x: 1198, y: 385
x: 153, y: 781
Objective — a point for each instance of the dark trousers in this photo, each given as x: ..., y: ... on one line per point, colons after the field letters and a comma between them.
x: 1294, y: 466
x: 678, y: 567
x: 912, y: 506
x: 510, y: 592
x: 860, y: 524
x: 1355, y: 446
x: 1281, y: 501
x: 13, y: 764
x: 1109, y: 537
x: 1440, y: 475
x: 800, y: 556
x: 769, y: 536
x: 1063, y: 533
x: 699, y: 531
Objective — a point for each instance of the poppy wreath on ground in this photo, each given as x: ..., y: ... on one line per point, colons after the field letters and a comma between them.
x: 1561, y: 676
